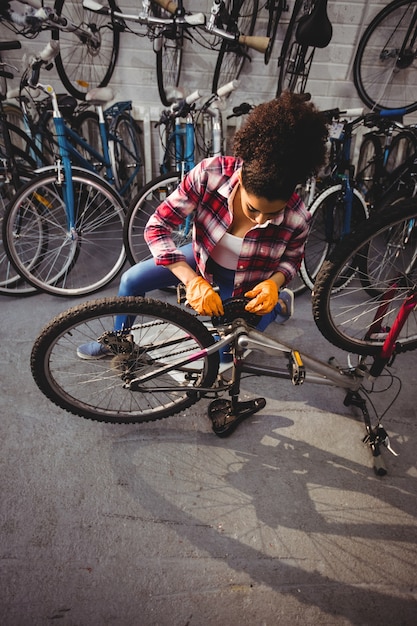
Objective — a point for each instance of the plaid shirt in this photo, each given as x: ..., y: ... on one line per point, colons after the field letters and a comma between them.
x: 276, y: 246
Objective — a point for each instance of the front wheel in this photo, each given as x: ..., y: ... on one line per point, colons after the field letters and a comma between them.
x: 88, y: 46
x: 146, y: 382
x: 383, y: 252
x: 51, y: 254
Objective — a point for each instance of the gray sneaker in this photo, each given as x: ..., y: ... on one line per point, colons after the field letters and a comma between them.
x: 92, y: 351
x: 287, y: 296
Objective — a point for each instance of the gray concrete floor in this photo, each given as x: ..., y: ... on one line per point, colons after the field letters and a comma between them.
x: 164, y: 524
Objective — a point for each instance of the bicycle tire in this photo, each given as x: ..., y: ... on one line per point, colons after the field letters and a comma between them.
x: 292, y: 53
x: 402, y: 147
x: 141, y: 209
x: 326, y: 228
x: 73, y: 263
x: 98, y: 390
x: 127, y: 156
x: 345, y: 318
x: 369, y: 166
x: 168, y: 46
x: 383, y: 78
x: 233, y: 55
x: 275, y: 9
x: 85, y: 64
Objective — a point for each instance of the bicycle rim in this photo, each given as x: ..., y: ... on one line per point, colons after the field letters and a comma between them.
x: 128, y: 158
x: 145, y: 204
x: 232, y: 55
x: 160, y: 334
x: 384, y: 66
x: 88, y: 54
x: 169, y: 50
x: 54, y: 258
x: 379, y: 256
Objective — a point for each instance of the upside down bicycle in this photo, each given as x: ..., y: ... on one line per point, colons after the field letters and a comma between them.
x: 167, y: 359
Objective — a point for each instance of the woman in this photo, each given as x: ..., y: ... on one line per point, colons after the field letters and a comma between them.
x: 249, y: 225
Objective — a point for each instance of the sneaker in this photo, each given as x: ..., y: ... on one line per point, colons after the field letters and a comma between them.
x: 287, y: 296
x: 92, y: 350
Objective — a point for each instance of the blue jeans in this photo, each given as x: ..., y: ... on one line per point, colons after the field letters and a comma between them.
x: 146, y: 276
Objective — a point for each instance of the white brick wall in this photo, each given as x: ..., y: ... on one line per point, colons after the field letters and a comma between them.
x: 330, y: 81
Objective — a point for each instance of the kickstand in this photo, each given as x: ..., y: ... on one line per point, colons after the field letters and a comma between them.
x: 375, y: 436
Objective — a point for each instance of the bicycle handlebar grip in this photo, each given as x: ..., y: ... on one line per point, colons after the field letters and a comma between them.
x: 193, y: 97
x: 352, y: 112
x: 259, y: 44
x: 224, y: 90
x: 379, y: 465
x: 167, y: 5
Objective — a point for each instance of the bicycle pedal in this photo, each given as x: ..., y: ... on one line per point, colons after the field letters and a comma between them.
x: 296, y: 367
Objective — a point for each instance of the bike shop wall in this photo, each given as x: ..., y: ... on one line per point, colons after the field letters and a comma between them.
x: 330, y: 81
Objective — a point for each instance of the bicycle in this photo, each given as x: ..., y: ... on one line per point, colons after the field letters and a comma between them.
x: 167, y: 359
x: 159, y: 188
x: 309, y: 28
x: 383, y: 68
x: 168, y: 23
x: 339, y: 207
x: 88, y: 43
x: 63, y: 230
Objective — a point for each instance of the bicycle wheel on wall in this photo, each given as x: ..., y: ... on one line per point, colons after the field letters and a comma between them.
x: 87, y: 54
x: 232, y: 56
x: 377, y: 255
x: 168, y: 47
x: 106, y: 390
x: 384, y: 69
x: 50, y: 256
x: 128, y: 157
x: 290, y: 60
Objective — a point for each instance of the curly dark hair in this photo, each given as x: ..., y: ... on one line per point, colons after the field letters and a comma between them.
x: 282, y: 143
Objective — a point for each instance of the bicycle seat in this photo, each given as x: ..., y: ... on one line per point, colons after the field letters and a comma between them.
x: 315, y: 29
x: 234, y: 308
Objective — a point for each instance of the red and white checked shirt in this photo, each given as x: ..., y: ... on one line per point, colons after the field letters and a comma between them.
x: 276, y: 246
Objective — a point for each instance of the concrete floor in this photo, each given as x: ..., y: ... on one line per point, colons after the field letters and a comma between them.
x: 164, y: 524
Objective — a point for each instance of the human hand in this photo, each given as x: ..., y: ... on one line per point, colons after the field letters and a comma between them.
x: 202, y: 297
x: 264, y: 297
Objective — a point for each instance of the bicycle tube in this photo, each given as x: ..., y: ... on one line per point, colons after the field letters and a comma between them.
x: 87, y: 54
x: 383, y: 68
x: 346, y: 318
x: 160, y: 336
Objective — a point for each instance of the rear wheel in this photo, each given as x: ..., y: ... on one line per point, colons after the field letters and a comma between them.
x: 111, y: 389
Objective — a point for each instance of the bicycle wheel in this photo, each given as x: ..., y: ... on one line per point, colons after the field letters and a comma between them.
x: 275, y: 9
x: 347, y: 318
x: 294, y: 60
x: 402, y: 147
x: 384, y: 71
x: 327, y: 229
x: 72, y: 262
x: 87, y: 53
x: 233, y: 55
x: 127, y: 156
x: 140, y: 211
x: 111, y: 389
x: 369, y: 165
x: 168, y: 46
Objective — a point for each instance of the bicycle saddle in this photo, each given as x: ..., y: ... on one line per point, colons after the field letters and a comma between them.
x: 234, y: 308
x: 315, y: 29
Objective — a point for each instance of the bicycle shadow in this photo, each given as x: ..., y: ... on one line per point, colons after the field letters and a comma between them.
x: 290, y: 498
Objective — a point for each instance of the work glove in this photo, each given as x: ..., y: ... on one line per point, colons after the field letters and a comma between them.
x: 202, y: 297
x: 264, y: 296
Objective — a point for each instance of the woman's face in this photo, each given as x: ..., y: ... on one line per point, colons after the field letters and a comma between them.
x: 259, y: 210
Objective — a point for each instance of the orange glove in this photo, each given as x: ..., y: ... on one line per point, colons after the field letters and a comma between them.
x: 264, y: 297
x: 202, y: 297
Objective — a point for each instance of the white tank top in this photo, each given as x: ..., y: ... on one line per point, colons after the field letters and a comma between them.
x: 227, y: 251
